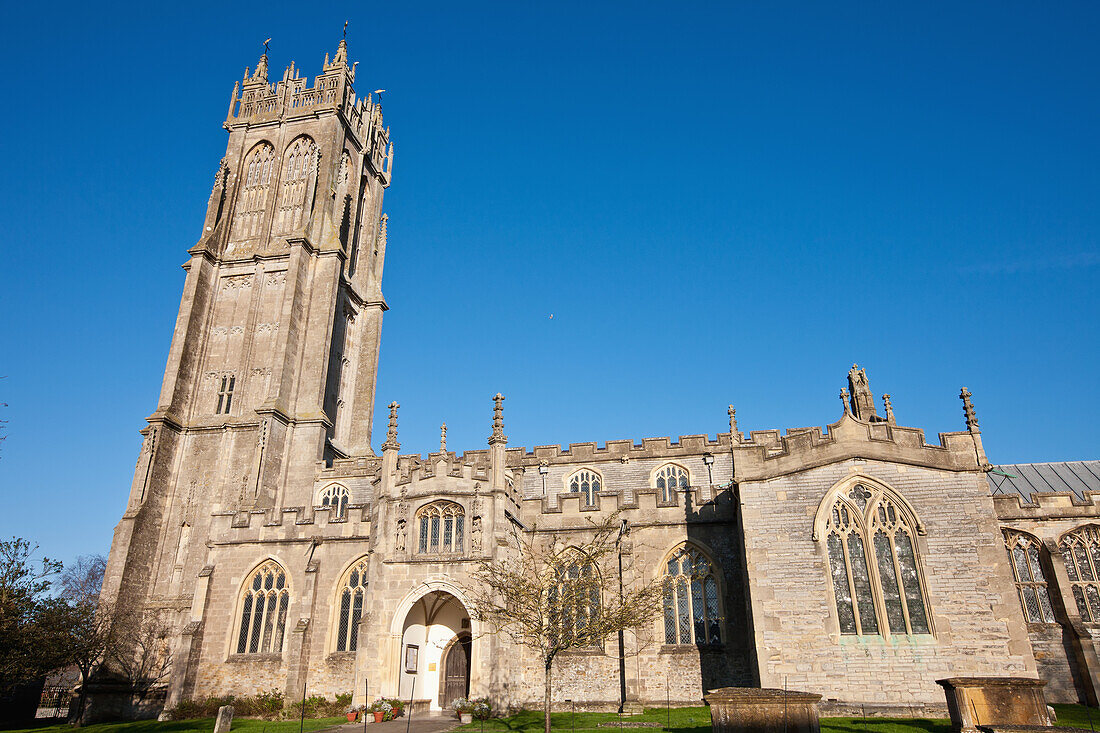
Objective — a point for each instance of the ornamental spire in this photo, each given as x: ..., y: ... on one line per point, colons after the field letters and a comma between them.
x: 498, y: 420
x: 391, y: 434
x: 968, y: 411
x: 888, y: 408
x: 443, y: 438
x: 844, y: 401
x: 261, y: 67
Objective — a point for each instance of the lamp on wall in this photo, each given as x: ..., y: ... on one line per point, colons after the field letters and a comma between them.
x: 708, y: 459
x: 544, y: 469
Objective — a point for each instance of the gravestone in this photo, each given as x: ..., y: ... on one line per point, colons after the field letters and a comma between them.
x: 225, y: 719
x: 762, y: 710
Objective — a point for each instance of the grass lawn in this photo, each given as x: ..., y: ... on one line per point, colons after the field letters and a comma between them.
x: 697, y: 720
x: 199, y: 725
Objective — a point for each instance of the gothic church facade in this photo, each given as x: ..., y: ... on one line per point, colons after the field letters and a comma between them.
x: 859, y: 561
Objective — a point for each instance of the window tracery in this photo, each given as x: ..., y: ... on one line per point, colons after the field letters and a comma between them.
x: 1024, y: 551
x: 669, y: 480
x: 574, y: 602
x: 691, y: 603
x: 299, y: 172
x: 255, y: 186
x: 335, y: 496
x: 442, y: 526
x: 585, y: 482
x: 873, y: 563
x: 1081, y: 554
x: 264, y: 605
x: 352, y: 600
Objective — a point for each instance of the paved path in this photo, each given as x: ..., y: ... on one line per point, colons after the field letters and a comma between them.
x: 421, y: 723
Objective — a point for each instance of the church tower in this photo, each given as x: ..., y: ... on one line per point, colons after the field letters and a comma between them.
x: 271, y: 371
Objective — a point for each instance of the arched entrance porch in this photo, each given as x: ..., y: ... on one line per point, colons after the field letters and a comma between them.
x: 436, y: 650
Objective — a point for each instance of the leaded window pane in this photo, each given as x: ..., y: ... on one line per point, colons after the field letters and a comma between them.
x: 257, y: 623
x: 682, y: 611
x: 280, y: 624
x: 1082, y: 607
x: 714, y: 634
x: 242, y: 640
x: 434, y: 543
x: 1083, y: 566
x: 1094, y: 600
x: 448, y: 531
x: 1044, y: 602
x: 697, y: 611
x: 345, y: 619
x: 1031, y: 604
x: 910, y: 583
x: 1019, y: 558
x: 670, y: 616
x: 1071, y: 567
x: 459, y: 520
x: 423, y: 534
x: 865, y: 601
x: 356, y: 615
x: 841, y: 589
x: 890, y: 592
x: 1036, y: 568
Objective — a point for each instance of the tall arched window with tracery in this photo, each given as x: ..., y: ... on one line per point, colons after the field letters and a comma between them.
x: 873, y: 561
x: 352, y: 599
x: 1031, y: 582
x: 670, y: 479
x: 691, y: 603
x: 586, y: 483
x: 442, y: 526
x: 255, y: 186
x: 264, y: 605
x: 297, y: 184
x: 1081, y: 554
x: 335, y: 496
x: 574, y: 602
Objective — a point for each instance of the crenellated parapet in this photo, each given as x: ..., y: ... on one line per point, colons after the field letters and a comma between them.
x: 289, y: 524
x: 256, y: 102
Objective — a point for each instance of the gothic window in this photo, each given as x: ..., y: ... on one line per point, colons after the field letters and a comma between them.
x: 441, y: 528
x: 586, y: 483
x: 873, y: 563
x: 263, y: 611
x: 352, y: 599
x: 225, y: 394
x: 1031, y: 582
x: 691, y: 605
x: 335, y: 496
x: 669, y: 480
x: 255, y: 186
x: 1081, y: 553
x: 574, y: 602
x: 299, y: 171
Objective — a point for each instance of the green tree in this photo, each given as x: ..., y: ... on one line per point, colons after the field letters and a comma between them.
x: 29, y: 643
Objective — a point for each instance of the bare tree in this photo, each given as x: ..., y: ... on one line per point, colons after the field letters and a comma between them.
x: 82, y: 581
x: 550, y: 598
x: 142, y: 652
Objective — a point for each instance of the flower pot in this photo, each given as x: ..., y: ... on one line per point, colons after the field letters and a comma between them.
x: 378, y: 715
x: 352, y: 717
x: 466, y: 718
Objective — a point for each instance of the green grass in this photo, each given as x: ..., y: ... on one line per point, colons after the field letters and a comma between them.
x: 200, y: 725
x: 697, y: 720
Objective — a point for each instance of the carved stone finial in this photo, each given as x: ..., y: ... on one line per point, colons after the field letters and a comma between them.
x: 968, y: 410
x: 863, y: 402
x: 391, y: 432
x: 498, y: 420
x: 342, y: 52
x: 261, y: 67
x: 443, y: 438
x: 888, y: 408
x: 844, y: 401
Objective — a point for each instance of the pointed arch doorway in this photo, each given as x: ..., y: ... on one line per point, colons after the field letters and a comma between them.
x: 436, y: 650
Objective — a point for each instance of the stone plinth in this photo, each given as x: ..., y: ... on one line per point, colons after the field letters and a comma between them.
x: 994, y: 701
x: 225, y: 719
x: 756, y: 710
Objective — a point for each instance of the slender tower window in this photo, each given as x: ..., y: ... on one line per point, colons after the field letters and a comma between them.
x: 225, y: 394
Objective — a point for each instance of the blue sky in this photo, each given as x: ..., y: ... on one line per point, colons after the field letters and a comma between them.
x: 719, y: 203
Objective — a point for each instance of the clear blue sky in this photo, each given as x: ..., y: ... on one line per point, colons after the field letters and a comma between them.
x: 723, y: 203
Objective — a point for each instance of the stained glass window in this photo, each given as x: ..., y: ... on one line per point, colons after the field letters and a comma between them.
x: 335, y: 496
x: 1031, y: 582
x: 441, y: 527
x: 691, y: 607
x: 1081, y: 554
x: 352, y: 597
x: 873, y: 564
x: 669, y: 480
x: 263, y: 611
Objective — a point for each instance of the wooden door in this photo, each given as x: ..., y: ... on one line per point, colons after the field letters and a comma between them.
x: 456, y: 673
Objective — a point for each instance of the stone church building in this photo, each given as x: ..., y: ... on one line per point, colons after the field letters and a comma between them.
x: 291, y: 550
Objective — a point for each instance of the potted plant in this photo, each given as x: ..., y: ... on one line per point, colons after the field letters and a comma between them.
x: 353, y: 712
x: 482, y: 709
x: 464, y: 709
x: 382, y: 711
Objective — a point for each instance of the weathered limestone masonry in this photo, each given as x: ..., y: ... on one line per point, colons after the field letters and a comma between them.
x: 855, y: 561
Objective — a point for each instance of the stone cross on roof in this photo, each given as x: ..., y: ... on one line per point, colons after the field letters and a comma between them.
x: 391, y: 432
x: 498, y: 420
x: 443, y: 438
